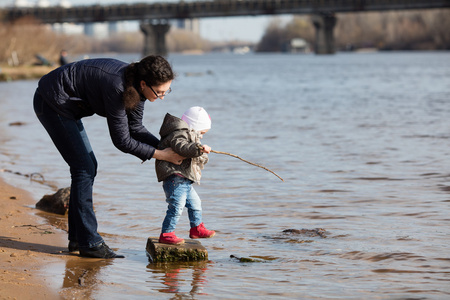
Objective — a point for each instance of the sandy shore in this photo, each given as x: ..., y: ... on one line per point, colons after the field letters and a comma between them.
x: 27, y: 244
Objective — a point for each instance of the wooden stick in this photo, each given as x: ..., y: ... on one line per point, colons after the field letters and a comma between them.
x: 220, y: 152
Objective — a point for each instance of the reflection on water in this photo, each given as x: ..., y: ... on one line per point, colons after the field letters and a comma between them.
x: 81, y: 278
x: 58, y: 221
x: 184, y: 280
x: 361, y: 140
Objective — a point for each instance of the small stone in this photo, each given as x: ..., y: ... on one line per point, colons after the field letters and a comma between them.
x: 245, y: 259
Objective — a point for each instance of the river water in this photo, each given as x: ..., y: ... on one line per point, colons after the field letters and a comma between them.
x: 362, y: 142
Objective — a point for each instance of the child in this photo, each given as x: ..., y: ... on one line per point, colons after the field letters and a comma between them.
x: 183, y: 136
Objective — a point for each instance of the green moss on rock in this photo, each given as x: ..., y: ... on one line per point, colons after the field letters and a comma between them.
x: 189, y: 251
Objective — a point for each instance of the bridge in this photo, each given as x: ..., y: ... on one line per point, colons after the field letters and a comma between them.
x: 154, y: 17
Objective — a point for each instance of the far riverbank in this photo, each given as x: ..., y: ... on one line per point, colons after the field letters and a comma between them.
x: 25, y: 72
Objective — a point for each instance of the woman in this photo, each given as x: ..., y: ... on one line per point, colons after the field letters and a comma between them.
x: 111, y: 89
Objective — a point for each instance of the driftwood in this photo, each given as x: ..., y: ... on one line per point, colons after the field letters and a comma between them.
x: 37, y: 177
x: 233, y: 155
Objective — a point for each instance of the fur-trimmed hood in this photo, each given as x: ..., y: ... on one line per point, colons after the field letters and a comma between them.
x: 175, y: 133
x: 171, y: 124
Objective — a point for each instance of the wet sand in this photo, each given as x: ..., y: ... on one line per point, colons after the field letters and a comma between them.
x: 27, y: 244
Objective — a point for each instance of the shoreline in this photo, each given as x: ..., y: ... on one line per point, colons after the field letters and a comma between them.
x: 25, y: 72
x: 27, y: 245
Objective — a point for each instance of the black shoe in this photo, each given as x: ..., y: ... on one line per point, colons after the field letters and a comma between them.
x: 101, y: 251
x: 73, y: 246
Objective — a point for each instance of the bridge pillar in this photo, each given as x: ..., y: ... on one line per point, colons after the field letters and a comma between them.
x: 324, y: 24
x: 155, y: 38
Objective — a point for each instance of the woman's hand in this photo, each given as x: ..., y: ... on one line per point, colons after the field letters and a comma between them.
x: 168, y: 155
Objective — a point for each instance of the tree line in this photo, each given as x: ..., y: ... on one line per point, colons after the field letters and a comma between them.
x: 399, y: 30
x: 394, y: 30
x: 25, y: 39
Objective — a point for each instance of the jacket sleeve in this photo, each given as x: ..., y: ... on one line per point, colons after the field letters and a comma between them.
x: 180, y: 144
x: 138, y: 130
x: 127, y: 132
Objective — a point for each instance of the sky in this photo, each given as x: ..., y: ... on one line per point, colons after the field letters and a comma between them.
x: 249, y: 29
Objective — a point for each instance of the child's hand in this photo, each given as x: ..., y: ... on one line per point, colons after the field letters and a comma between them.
x: 206, y: 149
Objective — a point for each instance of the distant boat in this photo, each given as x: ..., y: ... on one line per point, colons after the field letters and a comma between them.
x: 241, y: 50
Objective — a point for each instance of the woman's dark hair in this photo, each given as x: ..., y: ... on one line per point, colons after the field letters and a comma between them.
x: 153, y: 69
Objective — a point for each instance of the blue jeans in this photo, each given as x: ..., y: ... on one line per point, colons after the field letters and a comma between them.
x: 180, y: 193
x: 73, y: 144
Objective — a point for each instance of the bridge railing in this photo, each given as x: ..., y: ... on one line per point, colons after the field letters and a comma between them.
x: 212, y: 8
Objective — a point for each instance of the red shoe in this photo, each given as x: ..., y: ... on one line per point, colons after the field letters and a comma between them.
x: 200, y: 232
x: 170, y: 238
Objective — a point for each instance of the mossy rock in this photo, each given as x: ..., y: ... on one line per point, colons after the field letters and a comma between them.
x: 191, y: 250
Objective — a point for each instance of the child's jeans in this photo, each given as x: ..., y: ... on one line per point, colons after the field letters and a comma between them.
x: 180, y: 193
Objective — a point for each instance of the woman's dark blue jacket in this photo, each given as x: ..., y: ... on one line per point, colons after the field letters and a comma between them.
x: 95, y: 86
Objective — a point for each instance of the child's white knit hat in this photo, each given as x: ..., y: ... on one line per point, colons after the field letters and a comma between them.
x: 197, y: 118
